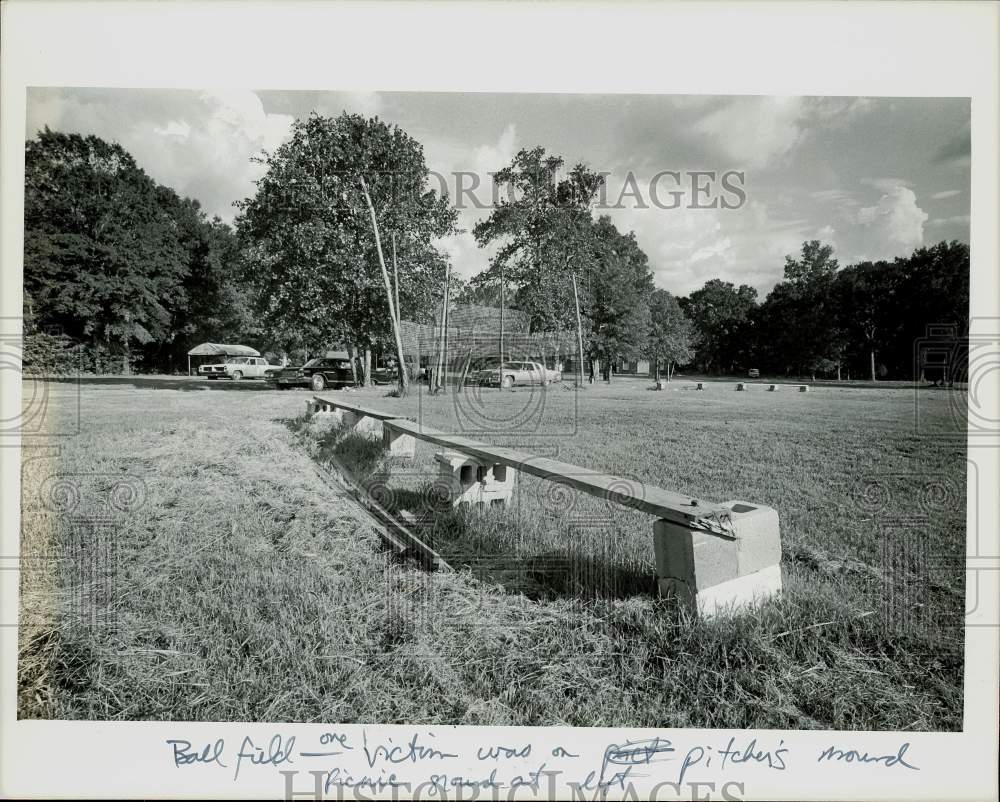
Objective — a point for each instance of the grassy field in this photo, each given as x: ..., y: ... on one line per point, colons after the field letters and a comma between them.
x: 184, y: 560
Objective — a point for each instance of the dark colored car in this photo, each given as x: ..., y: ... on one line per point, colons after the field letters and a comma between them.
x: 387, y: 374
x: 317, y: 373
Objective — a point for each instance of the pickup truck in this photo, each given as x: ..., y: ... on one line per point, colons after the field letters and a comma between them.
x: 515, y: 373
x: 237, y: 368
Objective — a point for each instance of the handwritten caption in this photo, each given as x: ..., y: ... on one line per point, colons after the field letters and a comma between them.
x: 337, y: 762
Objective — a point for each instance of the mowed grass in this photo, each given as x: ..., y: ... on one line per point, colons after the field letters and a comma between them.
x: 240, y: 586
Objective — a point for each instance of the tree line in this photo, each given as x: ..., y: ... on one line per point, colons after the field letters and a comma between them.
x: 337, y: 245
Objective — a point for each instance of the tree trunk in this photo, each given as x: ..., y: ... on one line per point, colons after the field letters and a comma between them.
x: 671, y: 367
x: 366, y: 367
x: 351, y: 357
x: 447, y: 324
x: 465, y: 369
x: 501, y: 320
x: 438, y: 363
x: 656, y: 369
x: 838, y: 371
x: 395, y: 279
x: 404, y: 382
x: 873, y: 363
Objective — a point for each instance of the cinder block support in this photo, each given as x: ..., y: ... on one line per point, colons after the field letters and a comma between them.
x: 661, y: 385
x: 740, y: 387
x: 398, y: 444
x: 710, y: 574
x: 362, y: 424
x: 771, y: 388
x: 700, y: 386
x: 803, y: 388
x: 474, y: 483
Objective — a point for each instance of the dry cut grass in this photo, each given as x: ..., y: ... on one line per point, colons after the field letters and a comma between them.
x: 228, y: 582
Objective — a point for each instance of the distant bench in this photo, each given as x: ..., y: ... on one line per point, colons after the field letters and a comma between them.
x: 708, y: 555
x: 803, y: 388
x: 741, y: 386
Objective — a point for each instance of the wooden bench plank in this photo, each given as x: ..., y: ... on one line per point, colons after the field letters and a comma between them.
x: 629, y: 493
x: 357, y: 409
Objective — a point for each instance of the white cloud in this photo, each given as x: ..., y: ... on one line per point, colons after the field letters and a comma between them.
x: 755, y: 131
x: 895, y: 224
x: 885, y: 184
x: 448, y: 159
x: 961, y: 219
x: 948, y: 193
x: 200, y: 145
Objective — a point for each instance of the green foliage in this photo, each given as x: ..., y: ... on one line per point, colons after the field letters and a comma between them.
x: 824, y: 319
x: 799, y: 320
x: 543, y: 227
x: 49, y: 355
x: 722, y: 316
x: 308, y: 246
x: 114, y: 261
x: 618, y: 284
x: 671, y: 335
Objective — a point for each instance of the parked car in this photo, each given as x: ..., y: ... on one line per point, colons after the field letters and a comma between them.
x: 514, y: 373
x: 212, y: 371
x: 236, y: 367
x: 247, y: 367
x: 318, y: 373
x: 387, y: 373
x: 754, y: 373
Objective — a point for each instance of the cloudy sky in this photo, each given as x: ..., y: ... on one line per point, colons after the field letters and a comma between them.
x: 875, y: 177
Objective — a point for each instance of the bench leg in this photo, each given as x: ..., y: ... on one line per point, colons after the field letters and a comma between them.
x: 472, y: 483
x: 399, y: 444
x: 710, y: 575
x: 362, y: 424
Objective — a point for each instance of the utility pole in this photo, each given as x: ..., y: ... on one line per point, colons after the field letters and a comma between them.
x: 501, y: 322
x: 579, y: 334
x: 395, y: 277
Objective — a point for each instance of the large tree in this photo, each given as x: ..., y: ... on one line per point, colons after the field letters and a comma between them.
x: 800, y: 327
x: 722, y: 316
x: 617, y: 284
x: 103, y: 261
x: 671, y: 334
x: 541, y: 224
x: 320, y: 226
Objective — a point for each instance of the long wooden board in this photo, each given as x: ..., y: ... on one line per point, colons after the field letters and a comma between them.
x: 356, y: 409
x: 676, y: 507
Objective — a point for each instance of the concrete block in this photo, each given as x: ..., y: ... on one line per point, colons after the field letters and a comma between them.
x: 803, y: 388
x: 661, y: 385
x: 699, y: 387
x: 758, y: 535
x: 474, y: 483
x: 362, y: 424
x: 399, y: 444
x: 732, y: 596
x: 707, y: 572
x: 740, y: 386
x: 772, y: 387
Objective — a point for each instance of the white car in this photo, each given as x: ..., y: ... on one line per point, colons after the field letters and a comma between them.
x: 247, y: 367
x: 240, y: 367
x: 514, y: 373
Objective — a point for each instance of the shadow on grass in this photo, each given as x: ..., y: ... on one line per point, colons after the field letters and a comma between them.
x: 499, y: 546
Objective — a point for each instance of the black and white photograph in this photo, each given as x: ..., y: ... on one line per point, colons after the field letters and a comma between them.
x: 653, y: 411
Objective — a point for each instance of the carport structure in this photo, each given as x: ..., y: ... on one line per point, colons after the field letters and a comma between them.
x: 220, y: 350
